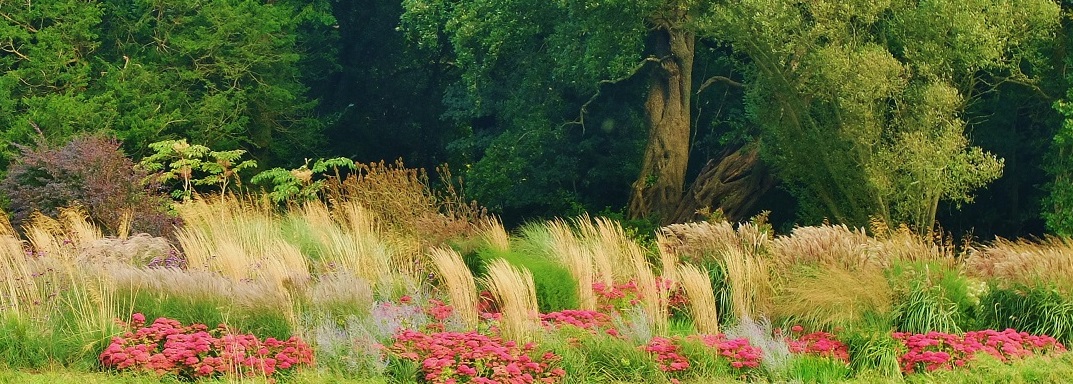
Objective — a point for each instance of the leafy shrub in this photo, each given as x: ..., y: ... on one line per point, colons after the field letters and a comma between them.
x: 168, y: 347
x: 90, y: 171
x: 183, y: 166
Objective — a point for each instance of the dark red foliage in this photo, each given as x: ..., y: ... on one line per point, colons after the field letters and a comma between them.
x: 90, y: 171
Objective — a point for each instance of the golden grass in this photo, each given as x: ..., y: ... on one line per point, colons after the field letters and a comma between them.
x: 744, y: 254
x: 243, y: 241
x: 750, y: 281
x: 828, y: 297
x: 196, y: 284
x: 240, y: 240
x: 698, y: 242
x: 698, y: 289
x: 495, y: 235
x: 348, y: 239
x: 1048, y: 261
x: 515, y: 292
x: 461, y: 287
x: 577, y: 258
x: 825, y: 245
x: 20, y: 288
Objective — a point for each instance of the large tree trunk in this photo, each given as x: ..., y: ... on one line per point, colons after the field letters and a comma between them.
x: 734, y: 184
x: 658, y: 188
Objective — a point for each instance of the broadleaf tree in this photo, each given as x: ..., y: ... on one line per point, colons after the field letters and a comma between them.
x: 861, y: 104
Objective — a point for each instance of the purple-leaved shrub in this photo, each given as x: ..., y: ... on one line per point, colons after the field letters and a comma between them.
x: 90, y: 171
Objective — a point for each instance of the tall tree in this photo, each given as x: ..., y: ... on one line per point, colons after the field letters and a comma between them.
x: 225, y: 73
x: 537, y: 64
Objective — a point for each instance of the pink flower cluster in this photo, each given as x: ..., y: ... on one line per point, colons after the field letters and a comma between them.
x: 935, y: 350
x: 168, y: 347
x: 818, y: 343
x: 590, y: 320
x: 620, y: 296
x: 470, y: 357
x: 739, y: 352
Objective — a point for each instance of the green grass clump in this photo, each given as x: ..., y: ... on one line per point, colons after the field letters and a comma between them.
x: 873, y: 352
x: 923, y: 303
x: 260, y: 320
x: 556, y: 289
x: 1038, y: 310
x: 23, y: 344
x: 815, y: 369
x: 601, y: 359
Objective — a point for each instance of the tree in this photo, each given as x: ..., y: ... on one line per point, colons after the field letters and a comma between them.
x: 223, y: 72
x: 862, y: 103
x: 545, y: 66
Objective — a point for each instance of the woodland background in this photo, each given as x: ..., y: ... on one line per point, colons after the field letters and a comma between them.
x: 915, y: 112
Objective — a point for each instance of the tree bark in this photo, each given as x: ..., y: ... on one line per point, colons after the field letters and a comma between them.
x: 734, y: 184
x: 658, y: 189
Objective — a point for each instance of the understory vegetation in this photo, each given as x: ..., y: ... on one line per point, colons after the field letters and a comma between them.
x: 382, y: 277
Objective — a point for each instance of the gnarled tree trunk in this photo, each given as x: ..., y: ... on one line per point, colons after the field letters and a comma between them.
x: 658, y: 188
x: 734, y: 184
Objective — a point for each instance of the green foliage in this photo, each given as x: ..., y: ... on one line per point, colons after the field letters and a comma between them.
x: 298, y: 185
x: 1039, y: 310
x: 532, y: 142
x: 556, y: 289
x: 815, y: 369
x: 861, y: 104
x: 1058, y: 206
x: 22, y: 343
x: 225, y: 73
x: 175, y: 161
x: 923, y: 302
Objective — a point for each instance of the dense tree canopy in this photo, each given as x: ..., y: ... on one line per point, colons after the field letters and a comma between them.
x: 227, y: 73
x: 906, y: 111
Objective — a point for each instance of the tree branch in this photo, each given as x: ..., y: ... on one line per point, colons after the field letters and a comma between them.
x: 720, y: 79
x: 599, y: 88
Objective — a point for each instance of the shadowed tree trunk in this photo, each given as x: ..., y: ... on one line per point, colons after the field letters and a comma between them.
x: 733, y: 183
x: 658, y: 189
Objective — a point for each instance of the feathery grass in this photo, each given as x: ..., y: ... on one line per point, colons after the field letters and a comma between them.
x: 515, y: 292
x: 1028, y: 263
x: 568, y: 250
x: 698, y: 289
x: 461, y: 287
x: 831, y: 297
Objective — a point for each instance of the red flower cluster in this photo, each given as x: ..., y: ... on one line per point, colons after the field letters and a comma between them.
x: 818, y: 343
x: 739, y: 352
x: 455, y: 357
x: 194, y: 351
x: 935, y: 350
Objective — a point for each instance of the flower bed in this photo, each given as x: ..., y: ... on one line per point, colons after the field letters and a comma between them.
x: 471, y: 357
x: 937, y: 350
x: 168, y: 347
